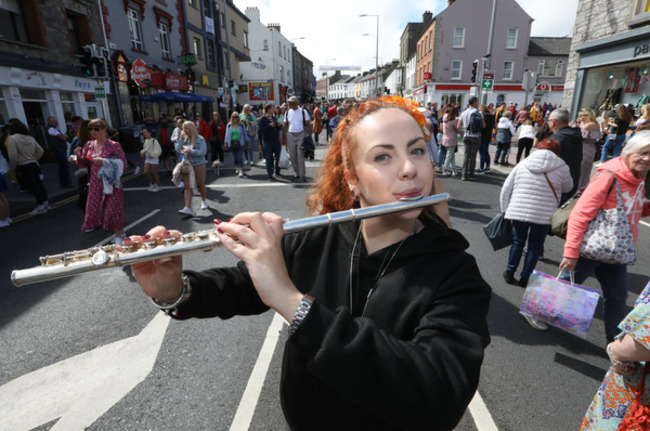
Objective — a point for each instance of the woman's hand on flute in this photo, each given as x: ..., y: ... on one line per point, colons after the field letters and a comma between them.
x: 160, y: 279
x: 256, y: 239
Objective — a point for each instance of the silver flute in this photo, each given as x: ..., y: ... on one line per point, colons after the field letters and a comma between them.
x: 110, y: 256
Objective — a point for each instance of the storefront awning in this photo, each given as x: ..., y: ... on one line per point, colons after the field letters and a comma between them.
x: 173, y: 96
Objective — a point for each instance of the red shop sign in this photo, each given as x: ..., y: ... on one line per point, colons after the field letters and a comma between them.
x: 427, y: 76
x: 140, y: 73
x: 174, y: 81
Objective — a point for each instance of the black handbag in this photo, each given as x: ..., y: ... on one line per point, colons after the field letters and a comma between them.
x: 499, y: 232
x: 307, y: 146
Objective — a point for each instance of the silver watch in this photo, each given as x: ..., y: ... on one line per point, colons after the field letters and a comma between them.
x: 305, y: 305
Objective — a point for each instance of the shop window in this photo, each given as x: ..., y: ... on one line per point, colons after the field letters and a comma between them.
x: 135, y: 28
x: 12, y: 21
x: 165, y: 46
x: 511, y: 38
x: 550, y: 67
x: 508, y: 67
x: 459, y: 37
x: 456, y: 69
x: 430, y: 40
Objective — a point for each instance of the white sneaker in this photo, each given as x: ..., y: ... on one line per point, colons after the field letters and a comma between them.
x: 187, y: 211
x: 204, y: 205
x: 150, y: 189
x: 4, y: 223
x: 180, y: 185
x: 137, y: 170
x: 537, y: 324
x: 46, y: 205
x: 156, y: 188
x: 247, y: 162
x: 38, y: 210
x: 241, y: 173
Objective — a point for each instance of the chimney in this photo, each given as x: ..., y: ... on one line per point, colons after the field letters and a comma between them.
x: 253, y: 14
x: 275, y: 26
x: 427, y: 17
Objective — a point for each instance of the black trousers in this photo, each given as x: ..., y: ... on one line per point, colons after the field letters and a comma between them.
x: 29, y: 176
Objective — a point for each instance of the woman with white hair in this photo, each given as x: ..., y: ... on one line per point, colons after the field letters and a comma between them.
x: 250, y: 122
x: 629, y: 171
x: 193, y: 146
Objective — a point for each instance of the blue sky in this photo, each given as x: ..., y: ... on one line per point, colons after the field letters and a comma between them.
x: 333, y: 31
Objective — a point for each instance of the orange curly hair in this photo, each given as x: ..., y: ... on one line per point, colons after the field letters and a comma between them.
x: 331, y: 192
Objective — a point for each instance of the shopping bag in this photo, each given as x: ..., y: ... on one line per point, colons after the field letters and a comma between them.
x: 284, y: 158
x: 562, y: 304
x: 499, y: 232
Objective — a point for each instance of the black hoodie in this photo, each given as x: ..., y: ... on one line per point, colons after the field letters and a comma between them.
x: 408, y: 359
x: 570, y: 139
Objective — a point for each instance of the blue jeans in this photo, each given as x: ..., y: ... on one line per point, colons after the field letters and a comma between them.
x: 502, y: 152
x: 613, y: 283
x: 237, y: 156
x: 272, y: 157
x: 64, y: 167
x: 536, y: 235
x: 484, y: 154
x: 442, y: 155
x: 248, y: 152
x: 617, y: 143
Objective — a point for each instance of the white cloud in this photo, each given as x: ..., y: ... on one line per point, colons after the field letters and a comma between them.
x: 333, y: 30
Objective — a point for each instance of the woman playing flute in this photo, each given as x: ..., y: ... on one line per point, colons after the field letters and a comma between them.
x: 387, y: 315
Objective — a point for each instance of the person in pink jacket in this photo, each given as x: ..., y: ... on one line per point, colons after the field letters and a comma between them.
x: 630, y: 170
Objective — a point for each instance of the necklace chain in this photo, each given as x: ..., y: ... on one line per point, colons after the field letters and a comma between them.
x: 382, y: 269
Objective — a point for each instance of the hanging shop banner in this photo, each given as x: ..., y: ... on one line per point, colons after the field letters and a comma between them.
x: 261, y: 90
x: 140, y: 73
x: 174, y: 81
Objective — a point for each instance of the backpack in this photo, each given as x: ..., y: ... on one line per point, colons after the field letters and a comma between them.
x: 475, y: 122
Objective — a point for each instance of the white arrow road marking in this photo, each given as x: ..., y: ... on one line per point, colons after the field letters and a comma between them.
x: 81, y: 389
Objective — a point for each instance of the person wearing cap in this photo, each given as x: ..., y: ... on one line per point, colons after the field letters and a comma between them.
x: 296, y: 123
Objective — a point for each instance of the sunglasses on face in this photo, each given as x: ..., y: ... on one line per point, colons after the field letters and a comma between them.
x: 96, y: 129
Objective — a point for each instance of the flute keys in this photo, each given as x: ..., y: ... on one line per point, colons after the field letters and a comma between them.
x: 169, y: 238
x: 149, y: 241
x: 100, y: 258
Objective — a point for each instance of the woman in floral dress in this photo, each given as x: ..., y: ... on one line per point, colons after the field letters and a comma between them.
x: 102, y: 210
x: 616, y: 393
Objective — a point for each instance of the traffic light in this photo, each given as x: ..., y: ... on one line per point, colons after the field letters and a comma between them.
x: 101, y: 62
x: 426, y: 88
x: 474, y: 70
x: 87, y: 68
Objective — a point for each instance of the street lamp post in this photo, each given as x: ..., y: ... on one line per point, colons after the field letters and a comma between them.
x: 376, y: 54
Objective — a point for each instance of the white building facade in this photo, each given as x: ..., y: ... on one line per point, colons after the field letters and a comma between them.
x: 268, y: 77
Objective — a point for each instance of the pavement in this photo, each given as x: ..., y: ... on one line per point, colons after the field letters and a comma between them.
x: 21, y: 203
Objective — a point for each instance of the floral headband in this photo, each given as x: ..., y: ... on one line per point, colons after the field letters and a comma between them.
x: 408, y: 104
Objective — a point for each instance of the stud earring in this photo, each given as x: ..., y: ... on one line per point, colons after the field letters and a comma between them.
x: 355, y: 197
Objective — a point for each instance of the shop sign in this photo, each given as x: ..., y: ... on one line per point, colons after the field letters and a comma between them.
x: 174, y: 81
x: 189, y: 59
x: 140, y: 73
x: 643, y: 48
x: 243, y: 88
x: 418, y: 91
x: 261, y: 90
x: 205, y: 81
x: 543, y: 86
x: 258, y: 65
x: 427, y: 76
x: 100, y: 93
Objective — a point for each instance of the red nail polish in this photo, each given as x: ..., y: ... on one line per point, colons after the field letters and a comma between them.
x: 146, y: 237
x: 216, y: 221
x: 220, y: 231
x: 167, y: 232
x: 229, y: 220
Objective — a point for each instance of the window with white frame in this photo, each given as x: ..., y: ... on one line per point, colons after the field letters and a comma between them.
x: 233, y: 30
x: 210, y: 52
x: 642, y: 7
x: 266, y: 45
x: 511, y: 38
x: 12, y: 21
x: 135, y: 28
x: 459, y: 37
x: 508, y: 68
x: 551, y: 67
x: 456, y: 69
x: 163, y: 30
x: 245, y: 33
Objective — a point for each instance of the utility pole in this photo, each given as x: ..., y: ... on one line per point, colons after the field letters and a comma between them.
x: 488, y: 63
